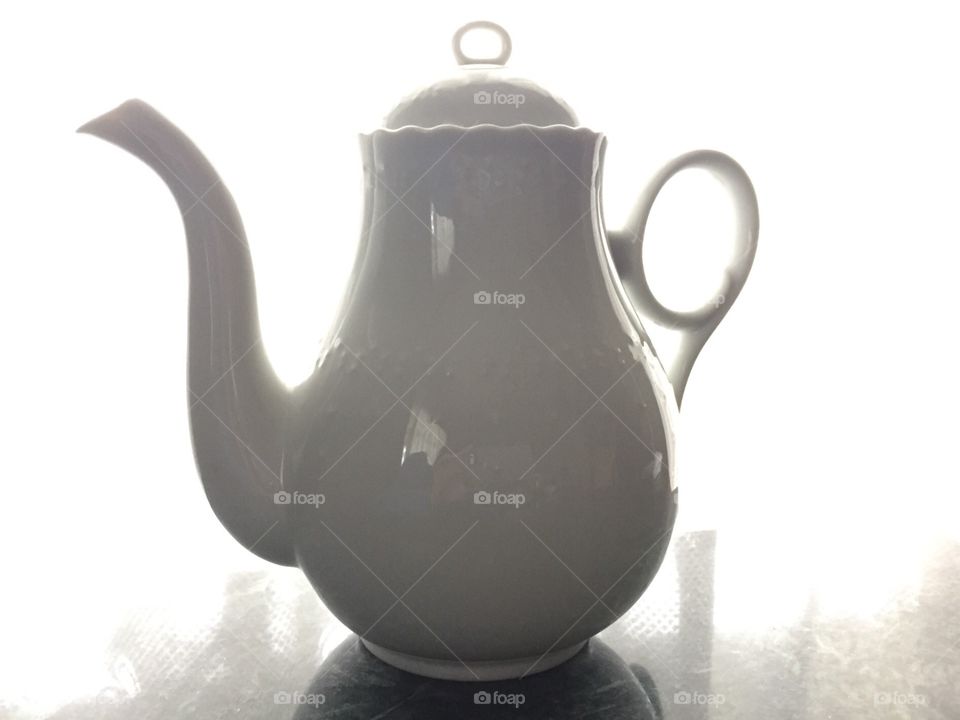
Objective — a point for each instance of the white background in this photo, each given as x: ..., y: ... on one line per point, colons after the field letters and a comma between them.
x: 819, y: 425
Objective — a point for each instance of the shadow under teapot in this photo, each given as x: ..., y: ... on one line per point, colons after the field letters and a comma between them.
x: 353, y: 683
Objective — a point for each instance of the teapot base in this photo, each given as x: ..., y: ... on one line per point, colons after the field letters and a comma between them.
x: 476, y: 671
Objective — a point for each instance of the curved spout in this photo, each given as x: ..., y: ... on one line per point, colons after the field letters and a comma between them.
x: 237, y: 403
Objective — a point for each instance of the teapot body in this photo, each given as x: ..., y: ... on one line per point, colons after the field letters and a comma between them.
x: 481, y: 468
x: 479, y: 474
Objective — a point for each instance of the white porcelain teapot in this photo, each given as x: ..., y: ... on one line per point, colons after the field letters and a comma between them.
x: 479, y: 475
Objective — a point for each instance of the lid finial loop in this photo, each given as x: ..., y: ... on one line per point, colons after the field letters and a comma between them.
x: 499, y: 59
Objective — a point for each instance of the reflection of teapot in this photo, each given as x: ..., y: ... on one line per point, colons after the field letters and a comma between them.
x: 486, y: 344
x: 352, y: 682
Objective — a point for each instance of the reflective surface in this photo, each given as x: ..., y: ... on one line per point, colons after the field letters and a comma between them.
x: 474, y: 412
x: 264, y: 647
x: 375, y: 489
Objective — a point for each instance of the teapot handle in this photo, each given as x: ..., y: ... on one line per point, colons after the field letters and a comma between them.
x: 627, y: 251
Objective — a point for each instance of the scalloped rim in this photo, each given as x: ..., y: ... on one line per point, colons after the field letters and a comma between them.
x: 419, y: 129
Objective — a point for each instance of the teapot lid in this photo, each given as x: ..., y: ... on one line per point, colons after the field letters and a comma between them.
x: 482, y: 95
